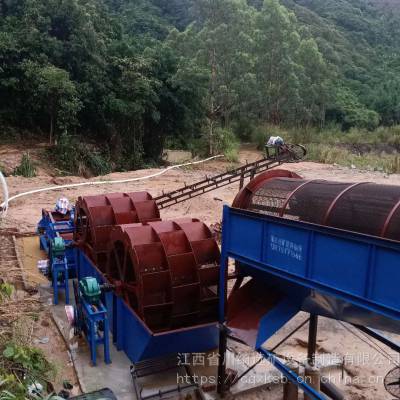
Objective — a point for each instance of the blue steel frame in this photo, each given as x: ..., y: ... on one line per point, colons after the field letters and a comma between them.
x: 356, y: 268
x: 130, y: 333
x: 92, y: 316
x: 60, y: 277
x: 48, y: 231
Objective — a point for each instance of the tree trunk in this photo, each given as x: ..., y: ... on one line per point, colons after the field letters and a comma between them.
x: 211, y: 138
x: 51, y: 134
x: 212, y: 104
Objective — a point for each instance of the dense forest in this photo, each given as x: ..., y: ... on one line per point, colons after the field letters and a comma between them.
x: 131, y: 76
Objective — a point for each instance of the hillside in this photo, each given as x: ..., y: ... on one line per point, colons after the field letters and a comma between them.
x: 392, y: 5
x: 360, y: 38
x: 111, y: 83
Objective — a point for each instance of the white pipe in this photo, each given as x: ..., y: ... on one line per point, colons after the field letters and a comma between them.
x: 4, y: 205
x: 104, y: 182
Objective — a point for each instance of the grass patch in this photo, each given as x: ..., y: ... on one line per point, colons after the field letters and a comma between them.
x: 21, y: 364
x: 224, y: 142
x: 328, y: 154
x: 375, y: 151
x: 72, y: 156
x: 26, y: 168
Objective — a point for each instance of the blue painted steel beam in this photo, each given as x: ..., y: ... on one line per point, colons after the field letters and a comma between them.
x: 355, y: 268
x: 293, y: 377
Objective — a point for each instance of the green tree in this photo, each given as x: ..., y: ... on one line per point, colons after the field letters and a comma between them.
x: 221, y: 44
x: 277, y: 41
x: 127, y: 74
x: 134, y: 94
x: 57, y: 94
x: 350, y: 112
x: 315, y: 84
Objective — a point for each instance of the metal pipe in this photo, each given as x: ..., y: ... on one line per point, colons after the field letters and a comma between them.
x: 223, y: 339
x: 108, y: 182
x: 290, y: 390
x: 4, y: 205
x: 293, y: 377
x: 376, y: 335
x: 312, y: 339
x: 331, y: 390
x: 312, y: 378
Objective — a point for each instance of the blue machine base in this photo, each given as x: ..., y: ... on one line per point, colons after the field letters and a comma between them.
x: 322, y: 270
x: 89, y: 321
x: 131, y: 335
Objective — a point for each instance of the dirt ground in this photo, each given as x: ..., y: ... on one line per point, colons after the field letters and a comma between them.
x: 25, y: 317
x: 364, y: 368
x: 25, y: 212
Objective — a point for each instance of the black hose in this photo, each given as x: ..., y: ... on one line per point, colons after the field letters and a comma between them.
x: 331, y: 390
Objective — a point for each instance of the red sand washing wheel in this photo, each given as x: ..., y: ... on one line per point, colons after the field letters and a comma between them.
x: 95, y: 217
x: 166, y: 271
x: 363, y: 207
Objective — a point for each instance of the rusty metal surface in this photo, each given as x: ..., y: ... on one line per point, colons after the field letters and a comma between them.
x: 255, y: 187
x: 246, y: 307
x: 217, y: 181
x: 55, y: 216
x: 95, y: 217
x: 364, y: 207
x: 166, y: 271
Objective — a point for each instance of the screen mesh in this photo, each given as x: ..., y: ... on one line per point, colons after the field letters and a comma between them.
x: 363, y: 208
x: 312, y: 201
x: 393, y: 227
x: 270, y: 198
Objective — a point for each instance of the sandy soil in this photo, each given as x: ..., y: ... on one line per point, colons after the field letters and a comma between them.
x: 366, y: 366
x: 25, y: 212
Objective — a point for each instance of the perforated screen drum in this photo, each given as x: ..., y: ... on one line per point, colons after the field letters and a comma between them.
x: 361, y: 207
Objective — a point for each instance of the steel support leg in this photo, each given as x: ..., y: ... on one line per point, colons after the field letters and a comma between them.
x: 115, y: 320
x: 237, y: 379
x: 241, y: 184
x: 66, y: 280
x: 55, y: 285
x: 80, y: 265
x: 223, y: 337
x: 222, y: 291
x: 119, y: 324
x: 107, y: 358
x: 92, y: 339
x: 312, y: 339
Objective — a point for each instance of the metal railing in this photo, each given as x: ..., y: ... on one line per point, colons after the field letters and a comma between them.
x: 208, y: 184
